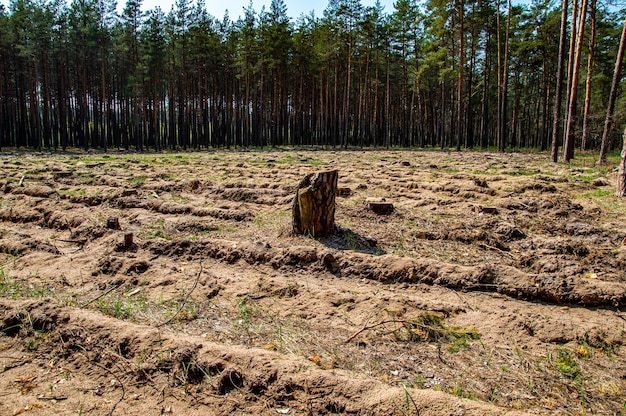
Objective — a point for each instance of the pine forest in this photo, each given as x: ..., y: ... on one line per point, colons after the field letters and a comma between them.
x: 446, y: 74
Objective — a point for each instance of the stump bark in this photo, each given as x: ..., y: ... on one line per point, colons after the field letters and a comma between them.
x: 113, y: 223
x: 128, y: 241
x: 313, y: 209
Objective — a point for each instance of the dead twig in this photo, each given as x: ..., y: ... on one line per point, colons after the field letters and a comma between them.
x: 100, y: 296
x: 440, y: 357
x: 15, y: 365
x: 487, y: 246
x: 42, y: 397
x: 182, y: 305
x: 81, y: 241
x: 390, y: 321
x: 162, y: 395
x: 461, y: 298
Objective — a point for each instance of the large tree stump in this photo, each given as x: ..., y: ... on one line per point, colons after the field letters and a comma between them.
x: 313, y: 209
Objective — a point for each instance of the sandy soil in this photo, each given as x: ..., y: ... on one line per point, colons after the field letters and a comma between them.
x: 496, y: 286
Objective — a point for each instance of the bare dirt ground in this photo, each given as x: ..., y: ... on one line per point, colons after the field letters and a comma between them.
x: 497, y: 286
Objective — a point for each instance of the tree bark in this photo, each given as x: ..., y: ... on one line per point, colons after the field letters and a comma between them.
x: 559, y: 84
x: 612, y: 96
x: 499, y: 101
x: 590, y: 63
x: 621, y: 174
x: 313, y: 209
x: 505, y: 83
x: 484, y: 121
x: 503, y: 77
x: 459, y: 124
x: 568, y: 143
x: 570, y: 59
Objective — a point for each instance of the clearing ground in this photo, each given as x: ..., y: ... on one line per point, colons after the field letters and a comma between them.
x: 496, y: 286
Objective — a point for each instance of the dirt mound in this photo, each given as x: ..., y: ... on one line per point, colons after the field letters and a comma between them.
x: 548, y: 287
x: 126, y: 364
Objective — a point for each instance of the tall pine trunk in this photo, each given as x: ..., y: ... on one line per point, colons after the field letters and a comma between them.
x: 545, y: 93
x: 570, y: 60
x: 612, y: 97
x: 590, y: 63
x: 484, y: 120
x: 459, y: 122
x: 558, y: 95
x: 621, y: 174
x: 568, y: 142
x: 504, y: 82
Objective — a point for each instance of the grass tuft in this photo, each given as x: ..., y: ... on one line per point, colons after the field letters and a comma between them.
x: 565, y: 364
x: 431, y: 327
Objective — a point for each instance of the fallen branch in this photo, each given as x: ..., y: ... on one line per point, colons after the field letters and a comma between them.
x: 440, y: 357
x: 81, y: 241
x: 391, y: 321
x: 460, y: 297
x: 42, y: 397
x: 182, y: 305
x: 100, y: 296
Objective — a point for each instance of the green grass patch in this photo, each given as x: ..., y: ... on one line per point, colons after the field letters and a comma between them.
x: 606, y: 199
x: 485, y: 172
x: 157, y: 229
x: 17, y: 289
x: 459, y: 390
x: 138, y: 179
x: 521, y: 172
x: 584, y: 178
x: 565, y: 364
x: 432, y: 327
x: 73, y: 192
x: 284, y: 158
x: 597, y: 193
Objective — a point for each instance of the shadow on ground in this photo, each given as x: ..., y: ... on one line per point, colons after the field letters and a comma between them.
x: 347, y: 239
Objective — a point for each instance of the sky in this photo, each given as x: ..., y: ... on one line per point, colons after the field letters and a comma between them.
x: 295, y: 8
x: 217, y: 8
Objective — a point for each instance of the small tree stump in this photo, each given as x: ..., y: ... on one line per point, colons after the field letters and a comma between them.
x: 379, y: 206
x: 113, y: 223
x: 128, y: 241
x: 313, y: 209
x: 486, y: 210
x: 344, y: 192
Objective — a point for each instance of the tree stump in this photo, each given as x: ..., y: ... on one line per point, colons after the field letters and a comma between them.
x: 128, y: 241
x: 379, y: 206
x: 313, y: 209
x: 113, y: 223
